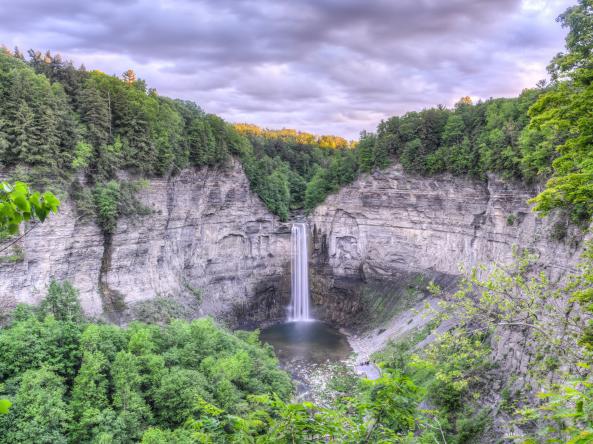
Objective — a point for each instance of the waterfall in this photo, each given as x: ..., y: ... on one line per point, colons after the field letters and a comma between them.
x: 299, y: 273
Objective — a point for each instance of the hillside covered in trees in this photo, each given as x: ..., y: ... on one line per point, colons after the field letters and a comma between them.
x: 58, y: 120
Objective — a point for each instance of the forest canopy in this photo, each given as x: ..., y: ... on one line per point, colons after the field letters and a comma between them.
x: 59, y: 121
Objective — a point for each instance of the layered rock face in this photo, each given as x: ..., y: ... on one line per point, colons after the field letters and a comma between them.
x: 211, y: 244
x: 389, y: 229
x: 390, y: 222
x: 208, y: 242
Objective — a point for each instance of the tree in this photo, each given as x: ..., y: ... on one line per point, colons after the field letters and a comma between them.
x: 89, y: 406
x: 95, y: 113
x: 133, y: 414
x: 563, y: 116
x: 62, y: 302
x: 466, y: 100
x: 366, y: 152
x: 129, y: 77
x: 176, y: 395
x: 39, y: 414
x: 107, y: 197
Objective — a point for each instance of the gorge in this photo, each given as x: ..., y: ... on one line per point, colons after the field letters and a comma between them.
x: 374, y: 246
x: 199, y: 281
x: 208, y: 234
x: 207, y: 231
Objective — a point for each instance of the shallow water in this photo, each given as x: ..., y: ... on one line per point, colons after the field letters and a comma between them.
x: 312, y: 342
x: 308, y: 350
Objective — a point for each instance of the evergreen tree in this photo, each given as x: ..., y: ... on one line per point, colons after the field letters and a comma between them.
x: 62, y: 302
x: 95, y: 113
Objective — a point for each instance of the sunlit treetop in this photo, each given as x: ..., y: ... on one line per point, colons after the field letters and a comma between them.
x: 301, y: 137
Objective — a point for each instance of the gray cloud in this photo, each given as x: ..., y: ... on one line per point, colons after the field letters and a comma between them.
x: 332, y: 66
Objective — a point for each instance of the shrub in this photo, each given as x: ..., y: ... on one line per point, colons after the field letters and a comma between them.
x: 159, y: 310
x: 62, y: 302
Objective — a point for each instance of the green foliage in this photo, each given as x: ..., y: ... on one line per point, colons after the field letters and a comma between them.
x: 107, y: 202
x: 76, y: 382
x: 471, y: 425
x: 62, y: 303
x: 565, y: 410
x: 500, y: 298
x: 451, y: 365
x: 39, y: 413
x: 65, y: 119
x: 4, y: 406
x: 19, y: 204
x: 114, y: 199
x: 158, y: 310
x: 563, y: 116
x: 83, y: 154
x: 283, y: 164
x: 342, y: 170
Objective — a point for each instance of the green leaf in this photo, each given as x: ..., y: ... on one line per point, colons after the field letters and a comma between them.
x: 4, y: 406
x: 51, y: 201
x: 21, y: 203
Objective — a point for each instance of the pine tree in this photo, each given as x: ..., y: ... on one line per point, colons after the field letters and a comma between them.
x: 20, y: 133
x: 95, y: 114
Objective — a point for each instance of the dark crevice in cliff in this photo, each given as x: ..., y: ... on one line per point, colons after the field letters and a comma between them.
x: 113, y: 301
x: 170, y: 202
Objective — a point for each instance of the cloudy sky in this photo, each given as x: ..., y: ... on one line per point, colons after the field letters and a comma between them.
x: 325, y: 66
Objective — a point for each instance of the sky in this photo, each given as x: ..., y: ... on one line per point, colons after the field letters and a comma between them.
x: 323, y: 66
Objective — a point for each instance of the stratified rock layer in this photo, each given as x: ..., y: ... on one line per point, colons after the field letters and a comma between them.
x: 390, y: 222
x: 209, y: 242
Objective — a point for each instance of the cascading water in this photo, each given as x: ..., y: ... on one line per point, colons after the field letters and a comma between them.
x: 299, y: 273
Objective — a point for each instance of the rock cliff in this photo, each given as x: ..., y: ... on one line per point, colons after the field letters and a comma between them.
x: 208, y: 243
x: 388, y: 233
x: 390, y: 222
